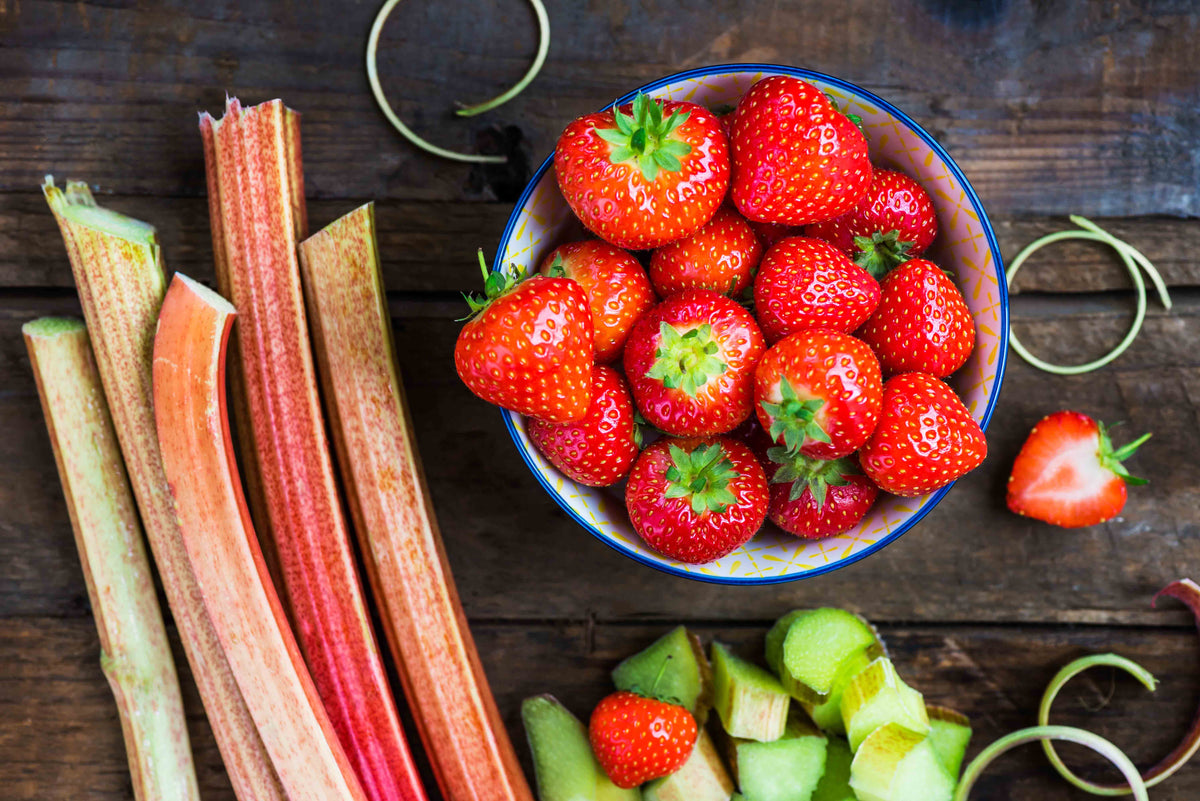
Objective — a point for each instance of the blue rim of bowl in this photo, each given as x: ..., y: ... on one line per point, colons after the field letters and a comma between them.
x: 932, y: 500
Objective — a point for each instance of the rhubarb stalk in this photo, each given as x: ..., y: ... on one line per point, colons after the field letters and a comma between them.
x: 134, y: 652
x: 197, y: 455
x: 119, y: 274
x: 255, y: 176
x: 406, y: 561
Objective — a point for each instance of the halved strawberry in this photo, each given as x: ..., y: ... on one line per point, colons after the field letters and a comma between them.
x: 818, y: 392
x: 806, y: 283
x: 690, y: 363
x: 1068, y: 474
x: 529, y: 346
x: 796, y: 158
x: 815, y: 498
x: 925, y: 438
x: 599, y: 449
x: 922, y: 323
x: 722, y: 256
x: 617, y: 289
x: 645, y: 174
x: 695, y: 500
x: 894, y: 221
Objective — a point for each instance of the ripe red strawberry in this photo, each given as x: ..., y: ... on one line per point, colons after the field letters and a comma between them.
x: 617, y: 289
x: 529, y: 346
x: 814, y: 498
x: 806, y: 283
x: 893, y: 222
x: 796, y: 159
x: 925, y: 438
x: 818, y: 392
x: 646, y: 174
x: 1068, y: 474
x: 922, y: 323
x: 690, y: 362
x: 695, y: 500
x: 599, y: 449
x: 722, y: 256
x: 637, y: 739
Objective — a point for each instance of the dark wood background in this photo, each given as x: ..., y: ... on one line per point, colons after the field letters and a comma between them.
x: 1050, y: 108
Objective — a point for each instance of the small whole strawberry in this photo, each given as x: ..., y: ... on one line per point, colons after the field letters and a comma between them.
x: 645, y: 174
x: 696, y: 500
x: 796, y: 159
x: 922, y: 323
x: 1068, y: 474
x: 925, y: 438
x: 637, y: 739
x: 690, y: 363
x: 806, y: 283
x: 813, y: 498
x: 893, y: 222
x: 617, y: 289
x: 599, y: 449
x: 818, y: 392
x: 528, y: 346
x: 721, y: 256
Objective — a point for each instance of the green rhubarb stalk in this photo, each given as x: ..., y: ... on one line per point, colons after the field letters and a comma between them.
x: 135, y: 654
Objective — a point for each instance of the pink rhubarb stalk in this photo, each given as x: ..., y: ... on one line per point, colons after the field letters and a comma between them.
x: 197, y: 453
x: 119, y: 274
x: 463, y: 734
x: 253, y: 156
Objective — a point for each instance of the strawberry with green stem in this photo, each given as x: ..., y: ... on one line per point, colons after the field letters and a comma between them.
x: 645, y: 174
x: 690, y: 363
x: 1069, y: 474
x: 696, y: 500
x: 527, y: 345
x: 637, y: 739
x: 814, y: 498
x: 818, y: 392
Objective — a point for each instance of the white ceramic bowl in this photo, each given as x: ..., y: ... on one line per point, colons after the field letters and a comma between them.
x: 966, y: 244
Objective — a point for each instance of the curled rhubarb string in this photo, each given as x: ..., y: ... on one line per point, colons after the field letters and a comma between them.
x: 1134, y: 262
x: 1044, y: 733
x: 1186, y: 591
x: 465, y: 111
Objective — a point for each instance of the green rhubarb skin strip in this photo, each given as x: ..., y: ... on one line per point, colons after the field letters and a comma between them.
x: 118, y: 272
x: 135, y: 655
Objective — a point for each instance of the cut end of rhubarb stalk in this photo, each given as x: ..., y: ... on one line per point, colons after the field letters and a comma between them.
x: 77, y: 205
x: 206, y: 295
x: 878, y: 696
x: 48, y: 327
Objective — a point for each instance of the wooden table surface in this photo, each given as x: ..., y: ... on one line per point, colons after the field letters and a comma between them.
x: 1050, y: 109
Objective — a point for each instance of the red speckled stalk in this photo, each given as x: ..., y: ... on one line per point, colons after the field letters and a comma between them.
x: 197, y: 455
x: 134, y: 651
x: 118, y: 271
x: 446, y: 687
x: 255, y: 158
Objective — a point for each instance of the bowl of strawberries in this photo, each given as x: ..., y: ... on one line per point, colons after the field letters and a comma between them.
x: 747, y: 324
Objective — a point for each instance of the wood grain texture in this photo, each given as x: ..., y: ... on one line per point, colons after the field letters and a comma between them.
x: 1046, y: 107
x: 430, y: 247
x: 517, y: 556
x: 994, y: 674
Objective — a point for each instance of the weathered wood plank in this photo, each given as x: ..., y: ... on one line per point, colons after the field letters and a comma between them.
x: 1075, y: 107
x: 62, y: 739
x: 431, y: 246
x: 517, y: 556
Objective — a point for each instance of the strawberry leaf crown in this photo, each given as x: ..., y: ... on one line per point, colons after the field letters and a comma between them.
x: 495, y: 284
x: 880, y: 252
x: 805, y: 473
x: 686, y: 361
x: 793, y: 419
x: 702, y: 477
x: 645, y: 137
x: 1112, y: 458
